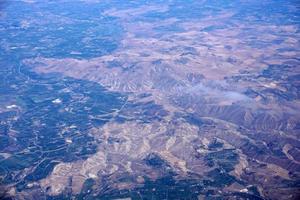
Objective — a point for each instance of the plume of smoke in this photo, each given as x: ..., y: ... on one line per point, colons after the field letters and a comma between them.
x: 217, y: 94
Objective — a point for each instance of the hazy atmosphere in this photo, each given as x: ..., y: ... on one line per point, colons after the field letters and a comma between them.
x: 150, y: 100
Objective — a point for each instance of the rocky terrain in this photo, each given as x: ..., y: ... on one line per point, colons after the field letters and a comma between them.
x: 150, y: 100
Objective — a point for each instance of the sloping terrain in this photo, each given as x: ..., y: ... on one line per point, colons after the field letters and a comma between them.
x: 150, y: 100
